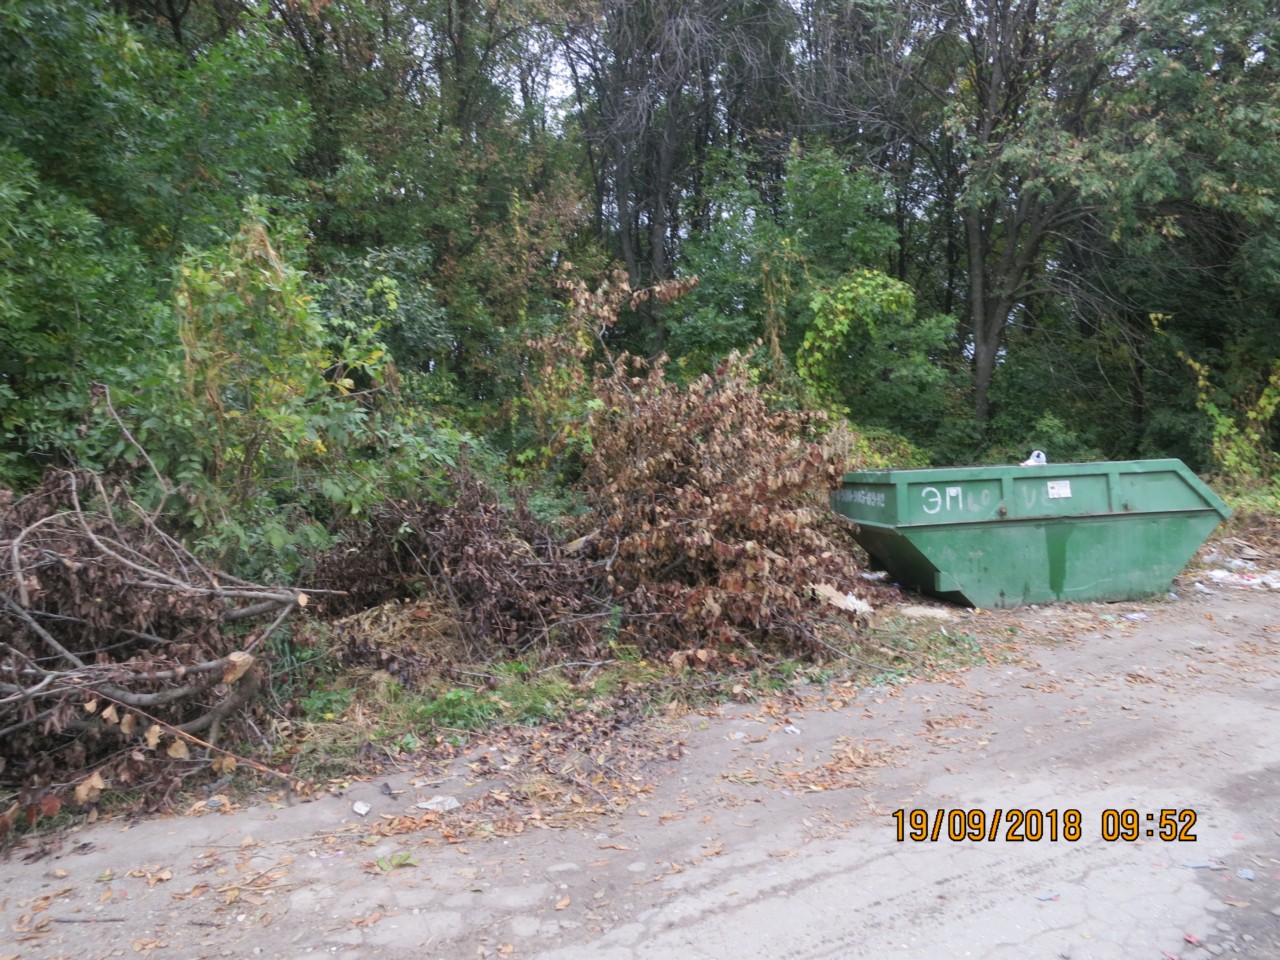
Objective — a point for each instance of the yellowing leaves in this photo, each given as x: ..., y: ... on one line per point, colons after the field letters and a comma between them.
x: 88, y: 790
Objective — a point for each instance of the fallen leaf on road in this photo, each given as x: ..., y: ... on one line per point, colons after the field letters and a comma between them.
x: 563, y: 903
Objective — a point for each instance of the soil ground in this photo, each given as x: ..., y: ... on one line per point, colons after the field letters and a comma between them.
x: 772, y: 833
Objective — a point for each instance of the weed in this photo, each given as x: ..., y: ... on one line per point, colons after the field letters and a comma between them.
x: 326, y: 704
x: 461, y: 708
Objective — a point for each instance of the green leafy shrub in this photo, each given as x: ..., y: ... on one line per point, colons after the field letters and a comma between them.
x: 868, y: 353
x: 1059, y: 442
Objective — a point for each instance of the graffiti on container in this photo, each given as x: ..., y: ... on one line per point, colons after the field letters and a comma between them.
x: 869, y: 498
x: 954, y: 498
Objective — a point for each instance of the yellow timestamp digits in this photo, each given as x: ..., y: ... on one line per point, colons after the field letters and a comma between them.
x: 1034, y: 824
x: 1137, y: 825
x: 1013, y: 825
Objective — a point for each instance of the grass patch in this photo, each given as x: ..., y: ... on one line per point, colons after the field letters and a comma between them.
x: 365, y: 715
x: 912, y: 650
x: 375, y: 715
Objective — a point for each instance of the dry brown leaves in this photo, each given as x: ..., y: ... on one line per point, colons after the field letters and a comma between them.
x: 702, y: 495
x: 505, y: 581
x: 120, y: 654
x: 553, y: 776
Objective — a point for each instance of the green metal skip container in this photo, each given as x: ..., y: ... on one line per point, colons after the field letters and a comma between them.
x: 1006, y: 536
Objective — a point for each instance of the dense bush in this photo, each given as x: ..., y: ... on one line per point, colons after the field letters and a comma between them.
x: 699, y: 492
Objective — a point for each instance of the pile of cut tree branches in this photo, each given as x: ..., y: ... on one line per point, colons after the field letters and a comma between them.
x: 123, y: 659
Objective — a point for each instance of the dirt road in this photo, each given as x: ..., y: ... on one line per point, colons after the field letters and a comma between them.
x: 774, y: 837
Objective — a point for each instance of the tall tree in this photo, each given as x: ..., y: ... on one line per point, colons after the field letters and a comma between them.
x: 657, y: 85
x: 995, y: 109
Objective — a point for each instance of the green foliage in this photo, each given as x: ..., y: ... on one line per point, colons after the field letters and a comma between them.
x: 253, y: 367
x: 1250, y: 502
x: 866, y: 350
x: 1243, y: 449
x: 326, y: 703
x: 516, y: 694
x: 874, y: 448
x: 113, y: 155
x: 397, y: 861
x: 74, y: 306
x: 760, y: 256
x: 156, y: 142
x: 272, y: 420
x: 1048, y: 433
x: 461, y: 708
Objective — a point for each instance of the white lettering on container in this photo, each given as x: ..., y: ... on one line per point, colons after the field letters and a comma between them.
x: 870, y: 498
x: 934, y: 505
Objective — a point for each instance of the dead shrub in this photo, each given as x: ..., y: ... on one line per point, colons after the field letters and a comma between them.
x: 509, y: 584
x: 706, y: 534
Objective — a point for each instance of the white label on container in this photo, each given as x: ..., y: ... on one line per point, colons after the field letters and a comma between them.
x: 1059, y: 489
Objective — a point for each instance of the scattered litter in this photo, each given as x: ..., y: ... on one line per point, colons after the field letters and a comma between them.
x: 439, y: 803
x: 1256, y: 580
x: 858, y: 606
x: 1201, y: 588
x: 874, y: 574
x: 1197, y: 864
x: 1137, y: 616
x: 1244, y: 873
x: 791, y: 729
x: 360, y: 808
x: 1048, y: 895
x: 1191, y: 938
x: 1169, y: 956
x: 845, y: 601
